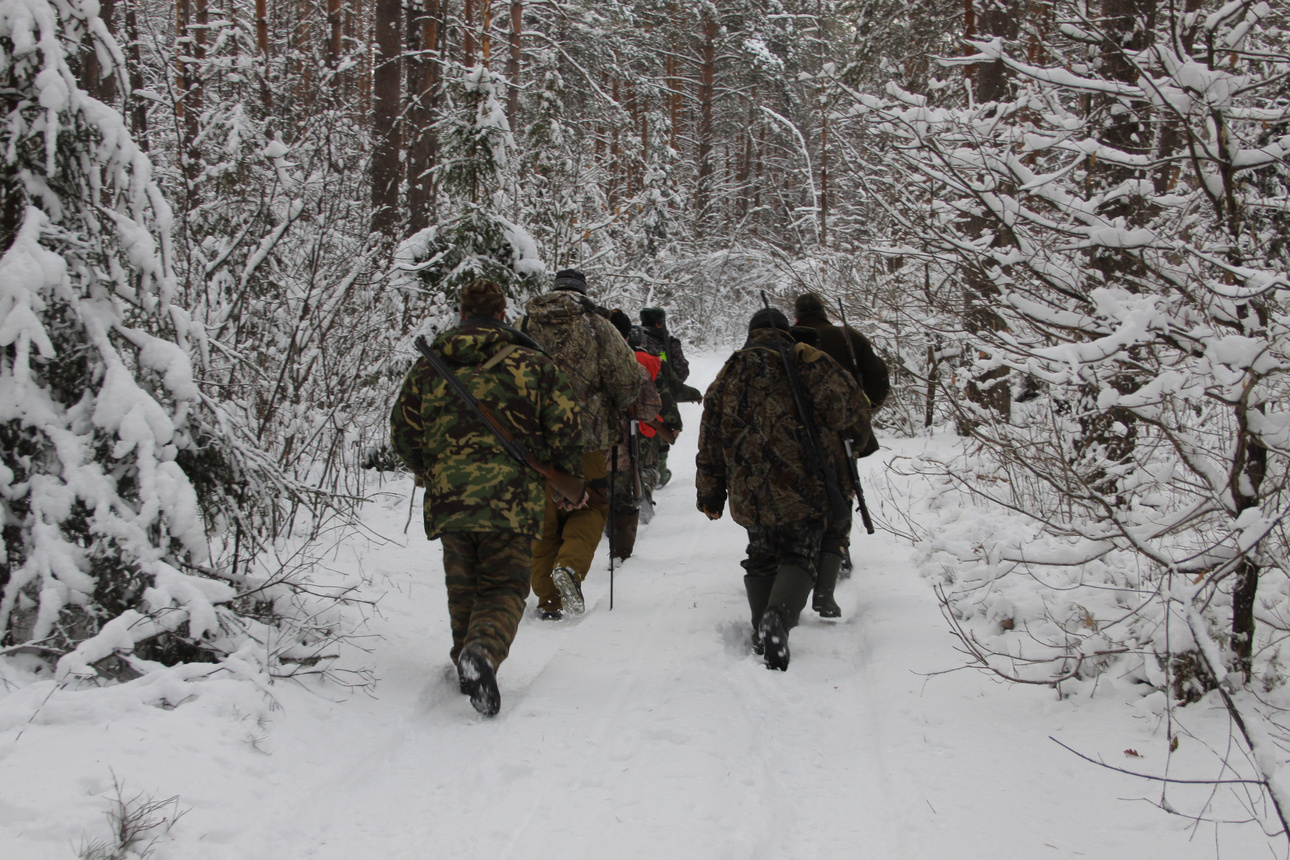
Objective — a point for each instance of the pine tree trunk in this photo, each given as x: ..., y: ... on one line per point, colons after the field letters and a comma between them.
x: 423, y: 142
x: 92, y: 79
x: 385, y: 115
x: 707, y: 91
x: 138, y: 107
x: 513, y: 64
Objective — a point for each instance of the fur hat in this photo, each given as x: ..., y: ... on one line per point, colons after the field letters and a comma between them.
x: 769, y: 318
x: 653, y: 316
x: 809, y: 304
x: 481, y: 298
x: 571, y: 279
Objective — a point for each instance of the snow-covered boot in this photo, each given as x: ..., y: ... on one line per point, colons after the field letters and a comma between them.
x: 825, y: 581
x: 479, y: 680
x: 570, y: 590
x: 758, y: 588
x: 774, y: 639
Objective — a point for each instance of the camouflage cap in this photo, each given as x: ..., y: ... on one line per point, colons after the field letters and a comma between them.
x: 481, y: 298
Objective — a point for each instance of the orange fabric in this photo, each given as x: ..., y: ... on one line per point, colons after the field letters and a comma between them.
x: 652, y: 363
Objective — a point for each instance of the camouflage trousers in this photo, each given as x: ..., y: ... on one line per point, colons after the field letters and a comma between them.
x: 797, y: 543
x: 487, y: 574
x: 569, y: 538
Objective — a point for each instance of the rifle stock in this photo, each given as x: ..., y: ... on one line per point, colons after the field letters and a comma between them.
x: 568, y: 486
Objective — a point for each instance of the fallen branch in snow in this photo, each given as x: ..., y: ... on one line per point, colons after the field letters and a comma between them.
x: 1156, y: 777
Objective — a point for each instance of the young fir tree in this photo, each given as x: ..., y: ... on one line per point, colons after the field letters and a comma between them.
x: 114, y: 469
x: 476, y: 240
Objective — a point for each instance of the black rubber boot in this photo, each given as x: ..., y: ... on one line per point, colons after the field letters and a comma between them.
x: 793, y: 584
x: 787, y: 599
x: 758, y: 588
x: 825, y: 581
x: 774, y: 639
x: 478, y: 680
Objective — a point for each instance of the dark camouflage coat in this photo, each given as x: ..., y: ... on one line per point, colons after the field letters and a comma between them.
x: 472, y: 484
x: 750, y: 447
x: 594, y: 356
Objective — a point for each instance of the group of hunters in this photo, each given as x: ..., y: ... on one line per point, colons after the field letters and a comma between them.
x: 533, y: 441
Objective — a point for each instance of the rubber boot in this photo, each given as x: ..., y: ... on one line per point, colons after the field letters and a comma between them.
x: 825, y: 581
x: 758, y: 588
x: 787, y: 598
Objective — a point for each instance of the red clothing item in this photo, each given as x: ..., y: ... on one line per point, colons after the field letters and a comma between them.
x: 652, y: 364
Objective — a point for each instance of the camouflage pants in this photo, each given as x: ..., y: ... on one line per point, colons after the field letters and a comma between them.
x: 487, y: 574
x: 796, y: 543
x: 569, y: 538
x: 651, y: 448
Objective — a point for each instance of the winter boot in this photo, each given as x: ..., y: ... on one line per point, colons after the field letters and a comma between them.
x: 478, y: 680
x: 825, y: 581
x: 570, y: 590
x: 792, y: 588
x: 774, y: 639
x: 758, y: 588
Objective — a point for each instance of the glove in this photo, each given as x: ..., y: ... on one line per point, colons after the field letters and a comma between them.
x: 418, y: 481
x: 711, y: 508
x: 712, y: 515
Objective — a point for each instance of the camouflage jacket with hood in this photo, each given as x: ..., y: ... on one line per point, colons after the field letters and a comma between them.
x: 472, y: 484
x: 594, y: 356
x: 750, y: 442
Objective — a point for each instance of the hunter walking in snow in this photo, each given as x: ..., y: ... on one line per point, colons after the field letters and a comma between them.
x: 755, y: 449
x: 605, y: 379
x: 853, y: 351
x: 674, y: 369
x: 484, y: 505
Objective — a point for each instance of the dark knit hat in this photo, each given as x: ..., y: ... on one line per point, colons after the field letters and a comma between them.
x: 481, y: 298
x: 653, y: 316
x: 769, y: 318
x: 809, y: 304
x: 621, y: 321
x: 571, y: 279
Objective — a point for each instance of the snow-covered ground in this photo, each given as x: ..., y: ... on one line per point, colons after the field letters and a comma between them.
x: 648, y: 731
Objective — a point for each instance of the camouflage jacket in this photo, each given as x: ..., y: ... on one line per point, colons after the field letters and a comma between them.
x: 750, y: 442
x: 594, y: 356
x: 472, y: 484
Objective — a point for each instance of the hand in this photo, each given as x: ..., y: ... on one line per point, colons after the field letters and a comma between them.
x: 568, y: 505
x: 711, y: 514
x: 418, y: 481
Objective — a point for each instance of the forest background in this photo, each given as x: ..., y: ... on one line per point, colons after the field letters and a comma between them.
x: 1063, y: 223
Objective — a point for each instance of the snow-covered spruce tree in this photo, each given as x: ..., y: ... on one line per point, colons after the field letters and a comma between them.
x: 114, y: 468
x: 475, y: 240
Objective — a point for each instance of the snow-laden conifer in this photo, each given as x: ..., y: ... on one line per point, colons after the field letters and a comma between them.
x: 476, y: 238
x: 117, y: 475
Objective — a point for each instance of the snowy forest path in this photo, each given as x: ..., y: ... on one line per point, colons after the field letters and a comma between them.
x: 649, y: 731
